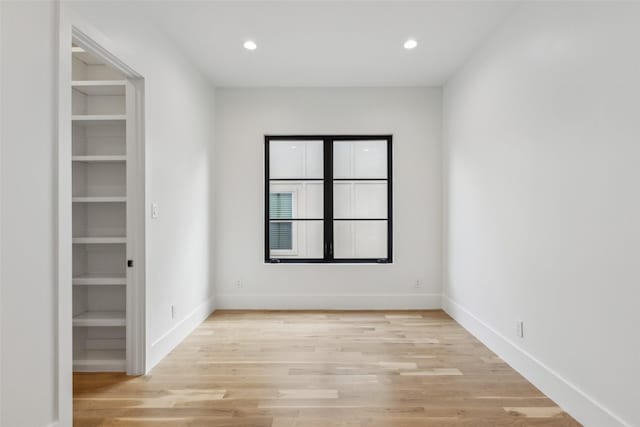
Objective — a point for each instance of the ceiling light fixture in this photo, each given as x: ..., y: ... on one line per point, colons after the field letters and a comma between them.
x: 410, y: 44
x: 250, y: 45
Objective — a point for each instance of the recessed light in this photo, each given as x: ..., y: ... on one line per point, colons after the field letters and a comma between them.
x: 250, y: 45
x: 410, y: 44
x: 293, y: 147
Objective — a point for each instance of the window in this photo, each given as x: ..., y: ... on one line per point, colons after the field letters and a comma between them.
x: 328, y: 199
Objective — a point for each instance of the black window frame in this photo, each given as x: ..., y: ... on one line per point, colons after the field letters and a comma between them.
x: 328, y: 180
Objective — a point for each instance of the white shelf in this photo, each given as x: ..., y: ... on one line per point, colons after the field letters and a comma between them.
x: 92, y: 199
x: 99, y: 240
x: 101, y: 158
x: 100, y: 87
x: 84, y: 56
x: 100, y: 318
x: 100, y: 279
x: 87, y: 118
x: 100, y: 361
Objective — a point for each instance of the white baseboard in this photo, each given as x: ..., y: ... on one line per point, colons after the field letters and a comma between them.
x: 170, y: 339
x: 328, y: 302
x: 573, y: 400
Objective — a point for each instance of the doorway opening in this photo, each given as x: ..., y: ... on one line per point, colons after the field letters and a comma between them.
x: 101, y: 214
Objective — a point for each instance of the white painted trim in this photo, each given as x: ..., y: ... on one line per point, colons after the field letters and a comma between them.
x: 63, y: 232
x: 53, y: 424
x: 329, y: 302
x: 576, y: 402
x: 136, y: 344
x: 0, y: 210
x: 97, y: 50
x: 170, y: 339
x: 138, y: 315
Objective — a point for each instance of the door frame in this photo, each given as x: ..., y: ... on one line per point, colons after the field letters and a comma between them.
x: 73, y: 28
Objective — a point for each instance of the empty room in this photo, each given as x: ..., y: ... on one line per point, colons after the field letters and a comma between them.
x: 319, y: 213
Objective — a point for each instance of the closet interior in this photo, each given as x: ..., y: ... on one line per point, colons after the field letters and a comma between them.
x: 101, y: 112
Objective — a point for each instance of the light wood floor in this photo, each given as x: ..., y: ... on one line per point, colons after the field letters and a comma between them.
x: 321, y: 369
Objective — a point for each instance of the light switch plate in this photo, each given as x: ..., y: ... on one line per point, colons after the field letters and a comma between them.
x: 154, y: 210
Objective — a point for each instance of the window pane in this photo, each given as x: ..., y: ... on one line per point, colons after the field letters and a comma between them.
x: 295, y: 159
x: 281, y: 205
x: 296, y: 199
x: 360, y: 239
x: 360, y: 199
x: 360, y: 159
x: 296, y: 239
x: 280, y: 236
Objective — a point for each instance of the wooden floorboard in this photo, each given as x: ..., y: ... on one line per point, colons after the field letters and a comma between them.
x: 324, y: 369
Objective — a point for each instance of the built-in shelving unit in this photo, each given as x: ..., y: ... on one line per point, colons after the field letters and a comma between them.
x: 100, y: 213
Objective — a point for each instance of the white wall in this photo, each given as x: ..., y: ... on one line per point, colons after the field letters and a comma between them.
x: 27, y: 213
x: 543, y: 132
x: 179, y: 135
x: 244, y: 116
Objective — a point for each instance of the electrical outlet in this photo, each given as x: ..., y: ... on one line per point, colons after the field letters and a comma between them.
x: 173, y: 311
x: 239, y: 283
x: 417, y: 284
x: 520, y: 328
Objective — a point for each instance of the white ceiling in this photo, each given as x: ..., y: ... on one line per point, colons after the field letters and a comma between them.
x: 328, y: 43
